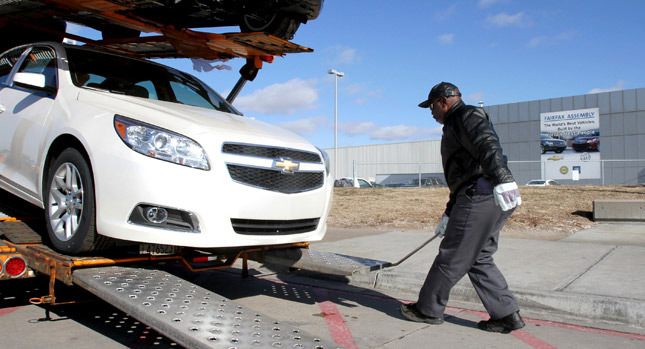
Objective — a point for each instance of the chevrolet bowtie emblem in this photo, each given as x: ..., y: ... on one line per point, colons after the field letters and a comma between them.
x: 287, y: 165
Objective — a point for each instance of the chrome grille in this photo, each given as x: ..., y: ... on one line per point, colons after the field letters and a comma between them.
x: 270, y: 152
x: 274, y: 180
x: 273, y: 227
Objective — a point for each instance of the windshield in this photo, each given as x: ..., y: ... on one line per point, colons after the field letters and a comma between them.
x: 132, y: 77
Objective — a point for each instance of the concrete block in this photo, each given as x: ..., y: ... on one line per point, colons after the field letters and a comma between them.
x: 619, y: 210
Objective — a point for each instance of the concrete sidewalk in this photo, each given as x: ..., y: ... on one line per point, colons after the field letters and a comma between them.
x: 596, y: 274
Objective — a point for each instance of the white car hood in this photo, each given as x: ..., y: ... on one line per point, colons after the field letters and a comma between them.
x: 193, y: 121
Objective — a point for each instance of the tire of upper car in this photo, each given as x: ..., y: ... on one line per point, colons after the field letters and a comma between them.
x: 69, y: 179
x: 274, y: 24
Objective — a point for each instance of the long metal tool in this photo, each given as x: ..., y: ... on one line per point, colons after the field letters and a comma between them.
x: 329, y: 262
x: 410, y: 254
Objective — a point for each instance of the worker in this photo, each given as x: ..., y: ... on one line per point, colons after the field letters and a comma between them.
x: 483, y: 195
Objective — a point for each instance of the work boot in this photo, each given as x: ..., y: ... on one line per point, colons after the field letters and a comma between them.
x: 410, y: 312
x: 506, y: 324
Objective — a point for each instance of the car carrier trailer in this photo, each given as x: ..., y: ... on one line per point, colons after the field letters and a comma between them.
x: 188, y: 314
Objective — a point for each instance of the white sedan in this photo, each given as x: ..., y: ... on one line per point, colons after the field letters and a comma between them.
x: 115, y: 148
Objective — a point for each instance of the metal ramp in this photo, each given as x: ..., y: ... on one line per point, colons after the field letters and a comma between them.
x: 189, y: 314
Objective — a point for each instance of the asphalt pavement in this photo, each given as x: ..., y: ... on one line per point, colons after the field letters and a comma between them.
x: 595, y: 274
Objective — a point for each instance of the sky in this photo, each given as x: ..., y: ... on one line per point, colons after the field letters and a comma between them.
x: 393, y: 52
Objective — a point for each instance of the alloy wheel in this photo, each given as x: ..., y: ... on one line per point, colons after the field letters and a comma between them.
x: 65, y: 209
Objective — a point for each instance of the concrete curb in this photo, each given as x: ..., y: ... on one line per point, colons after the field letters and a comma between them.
x: 588, y: 306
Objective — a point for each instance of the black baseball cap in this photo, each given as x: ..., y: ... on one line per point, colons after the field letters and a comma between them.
x: 442, y: 89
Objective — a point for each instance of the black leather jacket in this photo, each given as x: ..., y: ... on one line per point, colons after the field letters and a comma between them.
x: 470, y: 150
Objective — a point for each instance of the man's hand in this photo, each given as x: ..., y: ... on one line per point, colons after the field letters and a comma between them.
x: 507, y: 196
x: 441, y: 227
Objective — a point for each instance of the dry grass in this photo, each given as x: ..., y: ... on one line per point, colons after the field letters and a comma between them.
x: 546, y: 212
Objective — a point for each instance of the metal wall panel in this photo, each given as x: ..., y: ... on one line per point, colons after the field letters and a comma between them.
x: 617, y: 147
x: 524, y: 111
x: 503, y: 114
x: 640, y: 122
x: 567, y: 103
x: 631, y: 147
x: 640, y: 99
x: 514, y: 130
x: 617, y: 122
x: 493, y: 112
x: 630, y: 124
x: 514, y: 112
x: 603, y: 103
x: 616, y: 101
x: 525, y: 133
x: 591, y: 101
x: 605, y: 125
x: 534, y: 110
x: 629, y: 100
x: 556, y: 104
x: 579, y: 102
x: 545, y: 106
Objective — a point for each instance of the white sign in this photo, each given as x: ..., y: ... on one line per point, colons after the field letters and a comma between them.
x: 570, y: 144
x: 571, y: 123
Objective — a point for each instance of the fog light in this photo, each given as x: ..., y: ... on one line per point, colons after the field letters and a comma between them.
x: 15, y: 266
x: 164, y: 218
x: 157, y: 215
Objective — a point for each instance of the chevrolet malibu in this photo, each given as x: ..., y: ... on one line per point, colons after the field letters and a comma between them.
x: 115, y: 148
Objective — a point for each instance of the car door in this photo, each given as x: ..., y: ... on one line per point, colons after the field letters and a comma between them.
x: 23, y: 112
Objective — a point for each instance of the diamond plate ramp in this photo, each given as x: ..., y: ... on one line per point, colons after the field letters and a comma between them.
x: 189, y: 314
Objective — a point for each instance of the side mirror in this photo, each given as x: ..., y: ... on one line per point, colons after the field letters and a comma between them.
x: 30, y: 79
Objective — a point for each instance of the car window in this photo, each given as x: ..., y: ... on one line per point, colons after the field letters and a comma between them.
x: 42, y: 60
x: 7, y: 62
x: 139, y: 78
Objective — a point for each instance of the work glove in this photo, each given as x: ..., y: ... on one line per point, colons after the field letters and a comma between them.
x: 441, y: 227
x: 507, y: 196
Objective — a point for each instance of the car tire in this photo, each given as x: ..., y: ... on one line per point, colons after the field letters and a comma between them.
x: 271, y: 23
x: 69, y: 205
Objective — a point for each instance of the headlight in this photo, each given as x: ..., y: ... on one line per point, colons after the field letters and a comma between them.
x: 325, y: 159
x: 160, y: 144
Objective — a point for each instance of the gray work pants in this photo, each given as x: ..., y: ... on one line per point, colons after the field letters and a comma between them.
x: 468, y: 246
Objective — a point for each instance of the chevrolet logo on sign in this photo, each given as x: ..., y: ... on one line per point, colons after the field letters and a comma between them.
x: 286, y: 165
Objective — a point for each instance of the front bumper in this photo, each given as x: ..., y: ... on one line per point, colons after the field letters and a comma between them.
x: 227, y: 213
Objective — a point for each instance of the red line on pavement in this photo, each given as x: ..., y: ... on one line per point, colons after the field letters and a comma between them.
x: 587, y: 329
x: 6, y: 311
x: 339, y: 331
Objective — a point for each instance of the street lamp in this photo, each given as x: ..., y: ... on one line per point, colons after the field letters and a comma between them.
x: 337, y: 75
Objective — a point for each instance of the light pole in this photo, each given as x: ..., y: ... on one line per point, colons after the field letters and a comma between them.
x: 337, y: 75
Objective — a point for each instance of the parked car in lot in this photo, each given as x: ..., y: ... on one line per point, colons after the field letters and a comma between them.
x: 586, y: 143
x: 541, y: 182
x: 552, y: 144
x: 349, y: 183
x: 123, y: 148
